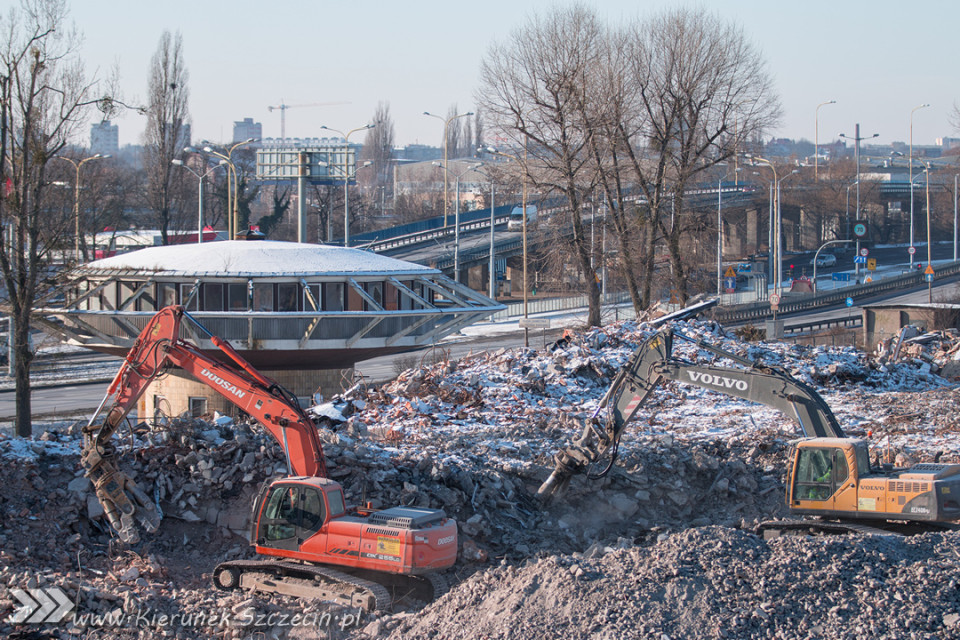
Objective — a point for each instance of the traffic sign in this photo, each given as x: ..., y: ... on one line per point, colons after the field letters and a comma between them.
x: 534, y: 323
x: 928, y: 271
x: 839, y: 277
x: 928, y: 277
x: 849, y: 302
x: 864, y: 252
x: 912, y: 250
x: 860, y: 229
x: 872, y: 264
x: 730, y: 273
x: 860, y: 260
x: 774, y: 299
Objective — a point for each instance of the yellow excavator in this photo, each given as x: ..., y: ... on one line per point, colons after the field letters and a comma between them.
x: 830, y: 475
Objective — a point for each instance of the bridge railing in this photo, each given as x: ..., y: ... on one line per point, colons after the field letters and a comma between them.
x: 759, y: 311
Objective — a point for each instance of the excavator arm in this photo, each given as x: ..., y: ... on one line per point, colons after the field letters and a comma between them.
x: 157, y: 348
x: 651, y: 364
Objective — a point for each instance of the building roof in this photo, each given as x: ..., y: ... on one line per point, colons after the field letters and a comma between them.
x: 266, y: 258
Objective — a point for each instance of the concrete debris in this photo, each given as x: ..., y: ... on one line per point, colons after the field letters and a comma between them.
x: 940, y: 350
x: 618, y: 557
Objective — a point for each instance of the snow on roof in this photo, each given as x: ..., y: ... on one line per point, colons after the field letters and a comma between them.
x: 259, y: 258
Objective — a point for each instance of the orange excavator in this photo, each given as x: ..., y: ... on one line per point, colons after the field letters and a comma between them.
x: 315, y: 544
x: 829, y: 475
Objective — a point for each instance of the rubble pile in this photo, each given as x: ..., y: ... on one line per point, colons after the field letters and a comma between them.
x: 707, y: 583
x: 475, y: 438
x: 940, y: 349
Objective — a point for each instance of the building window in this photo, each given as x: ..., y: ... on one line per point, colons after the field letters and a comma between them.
x: 190, y: 304
x: 146, y: 301
x: 375, y: 291
x: 333, y: 296
x: 314, y: 290
x: 212, y: 297
x: 167, y: 294
x: 237, y: 296
x: 198, y: 407
x: 263, y: 297
x: 287, y: 297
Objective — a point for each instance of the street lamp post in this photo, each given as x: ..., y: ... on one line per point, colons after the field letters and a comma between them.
x: 76, y: 198
x: 856, y: 150
x: 775, y: 248
x: 926, y: 170
x: 456, y: 224
x: 922, y: 106
x: 523, y: 227
x: 200, y: 176
x: 233, y: 195
x: 346, y: 176
x: 848, y: 207
x: 493, y: 219
x: 816, y: 140
x: 446, y: 123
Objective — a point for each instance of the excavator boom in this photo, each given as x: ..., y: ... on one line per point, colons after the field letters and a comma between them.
x: 652, y: 363
x: 159, y: 346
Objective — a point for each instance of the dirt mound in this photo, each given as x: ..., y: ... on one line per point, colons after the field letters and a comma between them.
x: 711, y: 582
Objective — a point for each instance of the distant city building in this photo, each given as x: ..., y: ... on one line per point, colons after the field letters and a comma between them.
x: 246, y: 129
x: 417, y: 153
x: 184, y: 139
x: 948, y: 143
x: 105, y: 138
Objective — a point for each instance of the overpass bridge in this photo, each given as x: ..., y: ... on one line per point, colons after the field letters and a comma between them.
x: 432, y: 242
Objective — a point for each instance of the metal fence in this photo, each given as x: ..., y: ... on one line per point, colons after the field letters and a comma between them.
x: 553, y: 305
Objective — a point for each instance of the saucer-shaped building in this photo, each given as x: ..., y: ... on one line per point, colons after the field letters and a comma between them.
x: 301, y: 313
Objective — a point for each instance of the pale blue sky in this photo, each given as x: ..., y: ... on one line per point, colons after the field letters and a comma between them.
x: 877, y: 59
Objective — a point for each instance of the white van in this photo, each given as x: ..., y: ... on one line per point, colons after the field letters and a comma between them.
x: 515, y: 223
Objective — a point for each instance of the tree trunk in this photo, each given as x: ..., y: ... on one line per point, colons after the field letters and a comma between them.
x: 23, y: 357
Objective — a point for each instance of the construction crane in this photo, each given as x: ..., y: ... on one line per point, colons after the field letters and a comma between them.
x: 282, y: 108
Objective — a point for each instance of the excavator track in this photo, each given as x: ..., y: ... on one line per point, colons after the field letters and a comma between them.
x: 304, y: 581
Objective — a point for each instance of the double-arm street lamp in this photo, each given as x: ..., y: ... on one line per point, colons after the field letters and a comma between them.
x: 233, y: 182
x: 178, y: 162
x: 446, y: 123
x: 857, y: 139
x: 346, y: 176
x: 456, y: 224
x: 76, y: 198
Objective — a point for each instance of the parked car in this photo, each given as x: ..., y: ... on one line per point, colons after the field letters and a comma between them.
x: 824, y: 260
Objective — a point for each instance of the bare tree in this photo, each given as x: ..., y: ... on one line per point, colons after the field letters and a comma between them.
x: 454, y: 132
x: 167, y: 113
x: 695, y: 76
x: 378, y: 149
x: 43, y: 96
x: 533, y: 89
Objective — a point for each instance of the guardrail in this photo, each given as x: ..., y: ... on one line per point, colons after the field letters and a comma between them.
x: 850, y: 322
x: 760, y: 311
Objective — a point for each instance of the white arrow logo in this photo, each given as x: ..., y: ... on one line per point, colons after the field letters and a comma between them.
x: 49, y: 605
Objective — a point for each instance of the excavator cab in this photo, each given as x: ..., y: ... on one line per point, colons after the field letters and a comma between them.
x: 824, y: 475
x: 289, y: 511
